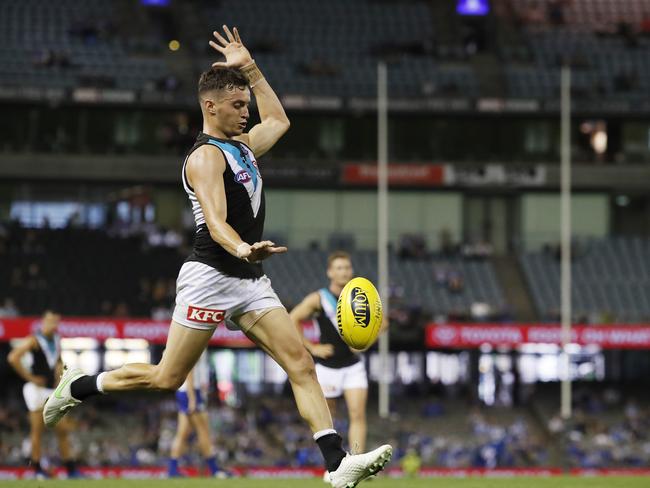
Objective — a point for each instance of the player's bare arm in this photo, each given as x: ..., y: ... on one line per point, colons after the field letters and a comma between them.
x: 273, y: 120
x: 303, y: 311
x: 205, y: 168
x: 15, y: 356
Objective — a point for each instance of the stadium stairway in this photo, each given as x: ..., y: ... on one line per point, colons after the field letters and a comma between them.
x: 515, y: 288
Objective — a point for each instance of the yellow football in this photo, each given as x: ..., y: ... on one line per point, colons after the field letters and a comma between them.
x: 359, y: 313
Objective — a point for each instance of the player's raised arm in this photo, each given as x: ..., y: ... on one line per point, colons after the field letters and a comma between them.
x: 274, y: 122
x: 205, y: 168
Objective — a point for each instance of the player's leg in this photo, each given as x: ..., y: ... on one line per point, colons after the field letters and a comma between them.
x: 355, y: 392
x: 201, y: 424
x: 275, y: 333
x: 356, y: 399
x: 331, y: 404
x: 36, y: 427
x: 34, y: 398
x: 62, y: 432
x: 184, y: 346
x: 183, y: 349
x: 179, y: 444
x: 330, y: 381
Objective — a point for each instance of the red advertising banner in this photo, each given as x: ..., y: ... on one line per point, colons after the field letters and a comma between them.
x: 398, y: 174
x: 621, y: 336
x: 102, y: 328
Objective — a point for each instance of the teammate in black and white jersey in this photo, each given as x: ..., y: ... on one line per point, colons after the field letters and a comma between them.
x: 45, y: 349
x: 223, y: 278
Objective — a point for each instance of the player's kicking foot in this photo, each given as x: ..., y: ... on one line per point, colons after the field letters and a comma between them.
x: 354, y: 469
x: 59, y: 402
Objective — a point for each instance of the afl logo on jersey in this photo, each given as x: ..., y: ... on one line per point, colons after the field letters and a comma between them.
x: 242, y: 177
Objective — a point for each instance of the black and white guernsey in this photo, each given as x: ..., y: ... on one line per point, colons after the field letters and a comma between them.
x: 46, y: 356
x: 246, y: 208
x: 329, y: 333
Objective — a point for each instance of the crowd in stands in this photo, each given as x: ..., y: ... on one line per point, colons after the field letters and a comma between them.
x: 607, y: 429
x: 268, y: 431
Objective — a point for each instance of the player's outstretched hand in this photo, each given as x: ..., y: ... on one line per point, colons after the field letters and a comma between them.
x: 237, y: 56
x: 262, y: 250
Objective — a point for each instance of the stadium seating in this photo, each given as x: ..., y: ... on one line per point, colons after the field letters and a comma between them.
x: 328, y: 48
x: 66, y: 44
x: 610, y: 277
x: 413, y: 281
x: 55, y: 267
x: 343, y: 41
x: 600, y: 39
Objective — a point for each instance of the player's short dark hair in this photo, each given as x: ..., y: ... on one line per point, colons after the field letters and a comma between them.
x: 218, y: 78
x: 337, y: 255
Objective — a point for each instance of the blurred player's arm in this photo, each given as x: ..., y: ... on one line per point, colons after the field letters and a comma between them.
x: 58, y: 369
x: 303, y: 311
x: 205, y: 168
x: 15, y: 356
x: 273, y: 120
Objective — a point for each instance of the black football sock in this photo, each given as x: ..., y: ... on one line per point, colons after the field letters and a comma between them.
x: 330, y: 446
x: 70, y: 467
x: 36, y: 465
x: 84, y: 387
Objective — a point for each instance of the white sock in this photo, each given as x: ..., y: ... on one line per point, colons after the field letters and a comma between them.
x: 100, y: 380
x: 323, y: 433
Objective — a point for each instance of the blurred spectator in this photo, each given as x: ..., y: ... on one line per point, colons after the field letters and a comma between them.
x: 644, y: 26
x: 412, y: 246
x: 161, y: 312
x: 626, y: 30
x: 477, y: 250
x: 49, y: 58
x: 534, y: 14
x: 9, y: 308
x: 455, y: 283
x: 319, y: 67
x: 555, y: 12
x: 481, y: 311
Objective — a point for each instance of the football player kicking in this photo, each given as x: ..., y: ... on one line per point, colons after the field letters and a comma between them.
x: 223, y: 278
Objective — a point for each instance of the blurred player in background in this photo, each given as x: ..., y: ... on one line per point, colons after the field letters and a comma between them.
x: 340, y: 369
x: 192, y: 402
x: 223, y: 278
x: 45, y: 349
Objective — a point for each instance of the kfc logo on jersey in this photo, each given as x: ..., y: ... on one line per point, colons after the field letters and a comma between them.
x: 243, y: 177
x: 205, y: 315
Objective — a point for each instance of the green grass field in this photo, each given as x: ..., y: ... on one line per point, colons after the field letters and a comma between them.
x: 555, y: 482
